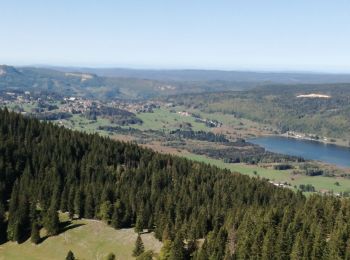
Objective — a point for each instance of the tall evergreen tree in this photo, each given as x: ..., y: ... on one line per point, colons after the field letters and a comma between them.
x: 70, y: 255
x: 177, y: 250
x: 165, y: 250
x: 139, y: 224
x: 78, y: 203
x: 139, y: 247
x: 51, y: 222
x: 110, y: 256
x: 13, y: 218
x: 2, y: 223
x: 35, y: 233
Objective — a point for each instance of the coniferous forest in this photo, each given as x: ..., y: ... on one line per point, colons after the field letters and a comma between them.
x: 45, y: 169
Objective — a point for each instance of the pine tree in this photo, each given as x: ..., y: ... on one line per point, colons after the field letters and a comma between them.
x: 35, y: 234
x: 177, y: 250
x: 116, y: 218
x: 12, y: 226
x: 64, y: 200
x: 297, y: 251
x: 51, y: 222
x: 89, y: 206
x: 70, y: 202
x: 148, y: 255
x: 319, y: 244
x: 78, y: 203
x: 139, y: 224
x: 2, y: 223
x: 165, y: 250
x: 268, y: 245
x: 139, y: 247
x: 70, y: 255
x: 110, y: 256
x: 105, y: 212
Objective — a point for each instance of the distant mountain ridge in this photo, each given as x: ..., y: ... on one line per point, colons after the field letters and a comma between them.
x: 72, y: 81
x: 216, y: 75
x: 107, y: 84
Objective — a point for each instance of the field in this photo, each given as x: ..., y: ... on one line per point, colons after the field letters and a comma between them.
x: 88, y: 239
x: 320, y: 183
x: 164, y: 119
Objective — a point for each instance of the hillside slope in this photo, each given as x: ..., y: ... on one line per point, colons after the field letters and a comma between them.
x: 46, y: 168
x: 88, y: 239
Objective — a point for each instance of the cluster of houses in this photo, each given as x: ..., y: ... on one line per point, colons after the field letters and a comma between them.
x: 72, y: 104
x: 136, y: 107
x: 297, y: 135
x: 15, y: 97
x: 75, y: 105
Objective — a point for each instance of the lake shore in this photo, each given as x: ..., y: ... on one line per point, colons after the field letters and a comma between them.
x: 306, y: 137
x: 308, y: 149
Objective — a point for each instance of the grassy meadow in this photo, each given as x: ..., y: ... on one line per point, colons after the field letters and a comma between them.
x: 319, y: 182
x: 87, y: 239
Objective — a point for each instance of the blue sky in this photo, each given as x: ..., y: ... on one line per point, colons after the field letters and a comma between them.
x: 245, y: 35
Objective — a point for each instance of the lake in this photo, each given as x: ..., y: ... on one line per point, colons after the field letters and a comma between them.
x: 311, y: 150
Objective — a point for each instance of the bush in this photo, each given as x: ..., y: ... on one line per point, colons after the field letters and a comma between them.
x: 282, y: 167
x: 148, y: 255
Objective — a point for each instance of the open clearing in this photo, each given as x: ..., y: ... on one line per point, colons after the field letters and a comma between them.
x: 319, y: 182
x: 88, y: 239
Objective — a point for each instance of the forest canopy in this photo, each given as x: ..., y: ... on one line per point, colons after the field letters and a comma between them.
x: 45, y: 169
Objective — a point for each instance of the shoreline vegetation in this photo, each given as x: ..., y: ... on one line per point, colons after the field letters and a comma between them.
x: 315, y: 138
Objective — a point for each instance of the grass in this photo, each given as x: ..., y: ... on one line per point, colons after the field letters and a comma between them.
x: 83, y: 124
x: 163, y: 119
x: 320, y: 183
x: 27, y: 107
x: 91, y: 240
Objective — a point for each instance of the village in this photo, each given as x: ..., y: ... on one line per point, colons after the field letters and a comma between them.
x: 33, y: 103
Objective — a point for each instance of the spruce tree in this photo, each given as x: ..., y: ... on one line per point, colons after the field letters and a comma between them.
x: 51, y: 222
x: 110, y: 256
x: 13, y: 218
x: 105, y: 212
x: 2, y: 223
x: 139, y: 247
x: 116, y: 221
x: 297, y: 251
x: 268, y: 245
x: 70, y: 255
x: 139, y: 224
x: 177, y: 250
x: 78, y: 204
x: 89, y: 206
x: 70, y: 203
x: 35, y: 234
x: 165, y: 250
x: 147, y: 255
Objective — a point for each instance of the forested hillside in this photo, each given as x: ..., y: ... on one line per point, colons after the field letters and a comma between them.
x: 92, y: 86
x: 283, y: 106
x: 45, y: 168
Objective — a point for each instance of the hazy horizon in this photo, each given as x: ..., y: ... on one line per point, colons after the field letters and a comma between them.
x: 180, y: 68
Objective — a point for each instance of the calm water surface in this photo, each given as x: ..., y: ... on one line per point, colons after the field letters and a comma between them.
x: 311, y: 150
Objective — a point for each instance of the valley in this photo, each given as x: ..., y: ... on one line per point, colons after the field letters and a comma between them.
x: 182, y: 125
x: 203, y: 142
x: 175, y: 130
